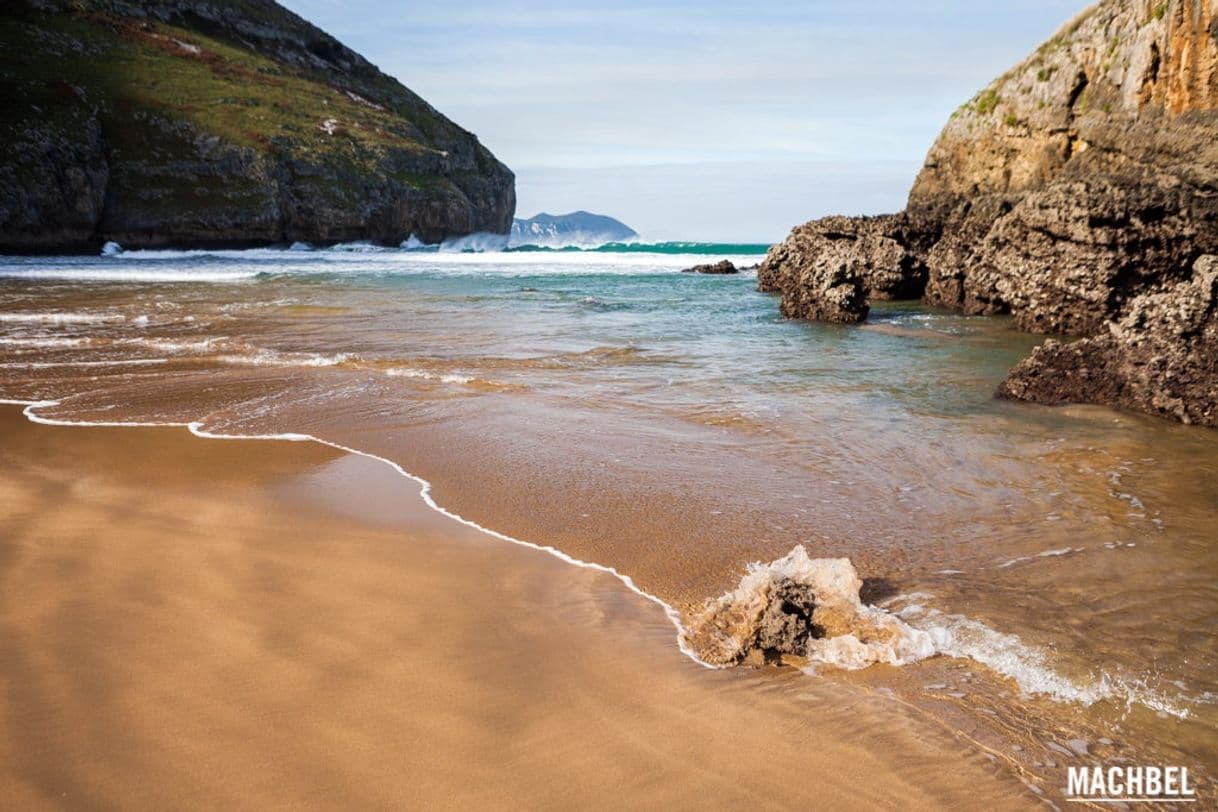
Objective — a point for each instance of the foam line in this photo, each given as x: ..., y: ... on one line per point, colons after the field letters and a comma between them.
x: 196, y: 428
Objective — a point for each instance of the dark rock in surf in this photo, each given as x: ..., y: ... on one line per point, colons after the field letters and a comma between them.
x: 786, y: 624
x: 721, y: 267
x: 802, y: 607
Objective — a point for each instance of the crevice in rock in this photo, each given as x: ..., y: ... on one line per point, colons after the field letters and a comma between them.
x: 1151, y: 76
x: 1072, y: 137
x: 1076, y: 92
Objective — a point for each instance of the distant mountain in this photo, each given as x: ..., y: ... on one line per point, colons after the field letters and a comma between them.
x: 576, y: 228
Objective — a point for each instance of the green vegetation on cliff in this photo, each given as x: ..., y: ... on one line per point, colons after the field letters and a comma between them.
x: 231, y: 123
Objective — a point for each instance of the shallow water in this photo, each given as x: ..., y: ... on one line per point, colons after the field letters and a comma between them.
x: 674, y: 427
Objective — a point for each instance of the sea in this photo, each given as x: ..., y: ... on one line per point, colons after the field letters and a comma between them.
x: 1052, y: 572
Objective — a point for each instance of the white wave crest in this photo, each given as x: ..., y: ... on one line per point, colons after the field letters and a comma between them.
x: 481, y: 242
x: 443, y: 377
x: 59, y: 318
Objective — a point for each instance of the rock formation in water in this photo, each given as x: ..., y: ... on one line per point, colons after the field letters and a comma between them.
x: 579, y: 228
x: 1080, y: 182
x: 1161, y: 357
x: 828, y: 269
x: 723, y: 266
x: 177, y: 122
x: 805, y: 607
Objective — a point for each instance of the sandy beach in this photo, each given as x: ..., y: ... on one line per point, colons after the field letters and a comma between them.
x: 199, y: 624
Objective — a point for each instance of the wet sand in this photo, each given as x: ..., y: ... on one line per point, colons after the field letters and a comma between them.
x: 248, y: 624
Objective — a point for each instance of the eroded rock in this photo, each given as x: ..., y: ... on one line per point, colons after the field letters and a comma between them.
x: 827, y: 269
x: 1160, y: 358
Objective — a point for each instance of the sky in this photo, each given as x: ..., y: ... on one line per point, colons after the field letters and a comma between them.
x: 716, y: 121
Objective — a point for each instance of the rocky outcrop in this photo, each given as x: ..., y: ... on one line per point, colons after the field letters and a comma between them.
x: 176, y: 122
x: 1086, y: 175
x: 1160, y: 358
x: 723, y: 266
x: 1065, y: 193
x: 827, y: 269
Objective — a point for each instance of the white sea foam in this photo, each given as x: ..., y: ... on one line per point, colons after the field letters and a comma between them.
x: 118, y: 362
x: 477, y: 255
x: 274, y: 358
x: 959, y: 636
x: 128, y: 273
x: 425, y: 374
x: 1028, y: 666
x: 60, y: 318
x: 1045, y: 554
x: 413, y: 243
x: 478, y: 243
x: 359, y: 247
x: 177, y: 346
x: 47, y: 342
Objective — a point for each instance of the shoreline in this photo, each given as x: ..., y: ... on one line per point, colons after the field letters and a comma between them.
x: 621, y: 686
x: 425, y: 488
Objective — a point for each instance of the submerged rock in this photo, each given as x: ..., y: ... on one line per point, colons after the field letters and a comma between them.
x: 722, y: 267
x: 1076, y: 185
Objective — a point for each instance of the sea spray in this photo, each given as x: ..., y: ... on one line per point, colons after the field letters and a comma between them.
x: 809, y: 607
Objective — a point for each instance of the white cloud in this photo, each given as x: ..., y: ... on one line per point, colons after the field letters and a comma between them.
x: 575, y: 97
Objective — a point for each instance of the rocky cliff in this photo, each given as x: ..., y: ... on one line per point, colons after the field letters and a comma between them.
x: 178, y: 122
x: 1077, y: 184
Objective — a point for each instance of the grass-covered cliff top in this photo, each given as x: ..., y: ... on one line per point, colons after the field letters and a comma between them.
x: 191, y: 120
x: 216, y: 80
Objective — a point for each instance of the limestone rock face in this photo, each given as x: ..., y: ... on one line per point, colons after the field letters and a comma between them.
x: 1078, y: 188
x: 1084, y: 176
x: 1067, y: 257
x: 178, y: 122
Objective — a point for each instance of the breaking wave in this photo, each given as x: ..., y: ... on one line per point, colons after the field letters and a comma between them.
x: 811, y: 608
x: 703, y: 248
x: 808, y: 607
